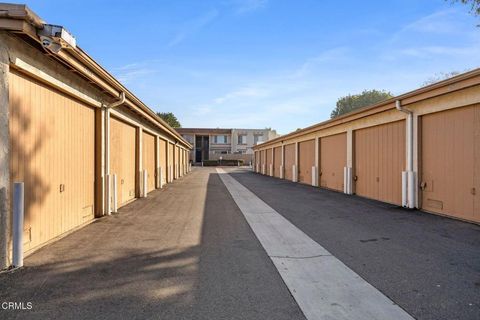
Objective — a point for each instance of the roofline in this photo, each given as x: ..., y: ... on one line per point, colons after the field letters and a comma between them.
x: 81, y: 62
x: 461, y: 81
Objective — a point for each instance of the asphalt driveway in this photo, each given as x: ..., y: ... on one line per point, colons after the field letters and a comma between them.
x: 187, y: 252
x: 429, y: 265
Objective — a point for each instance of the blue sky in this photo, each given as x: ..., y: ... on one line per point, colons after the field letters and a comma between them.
x: 267, y: 63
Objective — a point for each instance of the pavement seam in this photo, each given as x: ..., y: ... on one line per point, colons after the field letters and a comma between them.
x: 301, y: 258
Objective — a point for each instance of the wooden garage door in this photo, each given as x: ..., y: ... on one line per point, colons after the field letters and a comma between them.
x: 123, y: 159
x: 277, y: 161
x: 333, y: 159
x: 289, y: 160
x: 180, y: 168
x: 52, y: 152
x: 306, y: 160
x: 170, y: 161
x: 177, y: 161
x: 262, y: 160
x: 149, y: 160
x: 450, y: 163
x: 163, y: 159
x: 268, y: 160
x: 379, y: 162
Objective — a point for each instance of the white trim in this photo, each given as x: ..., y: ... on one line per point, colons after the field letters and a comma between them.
x: 54, y: 82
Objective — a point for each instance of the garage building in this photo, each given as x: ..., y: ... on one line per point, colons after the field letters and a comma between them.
x: 418, y: 150
x: 82, y: 144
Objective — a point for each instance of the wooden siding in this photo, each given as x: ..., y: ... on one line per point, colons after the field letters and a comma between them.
x: 289, y: 160
x: 163, y: 160
x: 306, y: 160
x: 379, y: 162
x: 170, y: 161
x: 177, y: 162
x: 262, y: 161
x: 149, y: 159
x: 123, y: 162
x: 450, y: 163
x: 268, y: 160
x: 277, y: 157
x: 333, y: 159
x: 53, y: 153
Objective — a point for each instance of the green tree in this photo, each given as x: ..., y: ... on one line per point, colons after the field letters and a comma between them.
x: 440, y: 76
x: 170, y: 118
x: 355, y: 101
x: 474, y: 5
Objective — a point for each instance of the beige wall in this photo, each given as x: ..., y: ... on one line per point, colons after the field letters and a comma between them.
x: 369, y: 144
x: 61, y: 147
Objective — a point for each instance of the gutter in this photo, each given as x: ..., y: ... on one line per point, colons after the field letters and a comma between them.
x: 459, y: 82
x: 408, y: 176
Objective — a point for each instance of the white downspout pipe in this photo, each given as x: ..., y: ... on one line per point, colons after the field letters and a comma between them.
x: 409, y: 198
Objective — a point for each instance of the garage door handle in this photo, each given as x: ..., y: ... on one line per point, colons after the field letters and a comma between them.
x: 355, y: 178
x: 473, y: 191
x: 423, y: 185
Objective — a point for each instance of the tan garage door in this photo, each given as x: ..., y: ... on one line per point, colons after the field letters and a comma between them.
x: 289, y: 160
x: 450, y: 163
x: 123, y: 159
x: 262, y: 161
x: 379, y: 162
x: 306, y: 160
x: 181, y: 161
x: 53, y: 153
x: 163, y: 159
x: 268, y: 161
x: 177, y: 161
x: 149, y: 160
x: 277, y: 157
x: 333, y: 158
x: 170, y: 161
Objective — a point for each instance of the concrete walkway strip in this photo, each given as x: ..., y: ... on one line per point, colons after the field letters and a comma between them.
x: 322, y: 285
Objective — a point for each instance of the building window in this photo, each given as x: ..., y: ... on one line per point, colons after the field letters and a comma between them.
x: 242, y: 139
x: 220, y: 139
x: 257, y: 138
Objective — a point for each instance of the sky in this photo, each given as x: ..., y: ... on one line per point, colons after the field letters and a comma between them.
x: 267, y: 63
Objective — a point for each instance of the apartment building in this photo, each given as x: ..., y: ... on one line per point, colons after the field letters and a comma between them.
x: 213, y: 143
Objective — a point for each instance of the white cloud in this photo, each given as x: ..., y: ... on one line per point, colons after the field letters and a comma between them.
x: 245, y: 6
x: 245, y: 92
x: 133, y: 71
x: 328, y: 56
x: 193, y: 26
x: 444, y: 23
x: 437, y: 22
x: 428, y: 51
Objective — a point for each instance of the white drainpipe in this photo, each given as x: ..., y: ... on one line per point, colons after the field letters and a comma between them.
x: 408, y: 176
